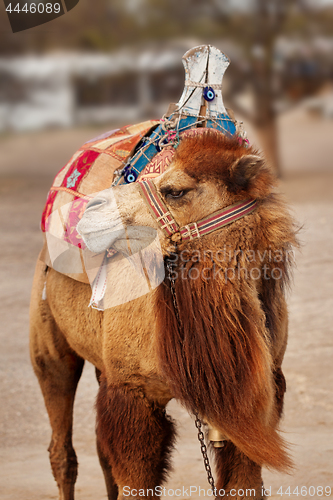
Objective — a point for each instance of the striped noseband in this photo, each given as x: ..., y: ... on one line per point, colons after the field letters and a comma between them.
x: 208, y: 224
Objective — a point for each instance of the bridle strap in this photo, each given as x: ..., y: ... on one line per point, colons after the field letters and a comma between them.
x: 217, y: 219
x: 208, y: 224
x: 158, y: 208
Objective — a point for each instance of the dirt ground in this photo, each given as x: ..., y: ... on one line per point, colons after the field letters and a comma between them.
x: 27, y: 166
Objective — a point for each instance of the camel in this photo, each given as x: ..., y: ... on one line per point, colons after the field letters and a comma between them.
x: 212, y: 335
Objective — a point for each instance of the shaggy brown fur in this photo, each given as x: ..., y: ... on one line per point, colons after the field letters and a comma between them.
x: 280, y: 389
x: 220, y: 362
x: 134, y: 436
x: 248, y: 474
x: 225, y: 161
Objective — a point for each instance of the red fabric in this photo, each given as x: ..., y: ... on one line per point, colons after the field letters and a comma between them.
x: 89, y: 153
x: 72, y: 179
x: 79, y: 169
x: 75, y: 214
x: 47, y: 210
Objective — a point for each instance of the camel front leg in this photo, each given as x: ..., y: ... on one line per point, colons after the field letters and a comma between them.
x: 237, y: 476
x: 136, y: 437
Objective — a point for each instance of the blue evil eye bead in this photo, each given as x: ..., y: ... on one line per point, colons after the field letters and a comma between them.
x: 208, y: 94
x: 130, y: 176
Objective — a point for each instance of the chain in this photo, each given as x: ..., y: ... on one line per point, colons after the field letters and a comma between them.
x: 198, y: 422
x: 173, y: 291
x: 203, y: 448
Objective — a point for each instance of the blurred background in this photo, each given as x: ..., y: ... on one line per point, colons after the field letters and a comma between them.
x: 109, y: 63
x: 120, y: 61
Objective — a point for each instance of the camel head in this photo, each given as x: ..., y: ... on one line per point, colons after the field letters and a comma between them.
x: 208, y: 172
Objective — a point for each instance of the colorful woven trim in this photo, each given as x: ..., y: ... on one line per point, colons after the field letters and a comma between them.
x: 157, y: 207
x: 156, y: 152
x: 217, y: 220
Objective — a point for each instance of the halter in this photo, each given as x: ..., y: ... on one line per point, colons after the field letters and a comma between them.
x: 207, y: 225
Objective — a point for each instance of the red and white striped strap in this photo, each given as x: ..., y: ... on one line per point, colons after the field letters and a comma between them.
x: 158, y: 208
x: 217, y: 219
x: 192, y: 230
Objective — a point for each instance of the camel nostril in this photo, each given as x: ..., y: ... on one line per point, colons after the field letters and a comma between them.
x: 95, y: 203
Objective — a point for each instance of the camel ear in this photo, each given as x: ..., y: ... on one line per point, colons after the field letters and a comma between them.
x: 248, y: 173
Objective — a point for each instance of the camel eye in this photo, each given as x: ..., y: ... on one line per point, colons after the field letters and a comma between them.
x: 176, y: 194
x: 171, y: 193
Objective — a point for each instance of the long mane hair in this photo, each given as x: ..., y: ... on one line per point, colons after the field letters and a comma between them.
x: 217, y: 357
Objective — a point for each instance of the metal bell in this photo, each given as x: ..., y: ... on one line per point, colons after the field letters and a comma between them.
x: 215, y: 437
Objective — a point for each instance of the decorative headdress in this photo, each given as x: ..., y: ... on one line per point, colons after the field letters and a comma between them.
x: 201, y: 105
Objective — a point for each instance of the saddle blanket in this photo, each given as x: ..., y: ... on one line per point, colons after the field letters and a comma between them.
x: 90, y: 170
